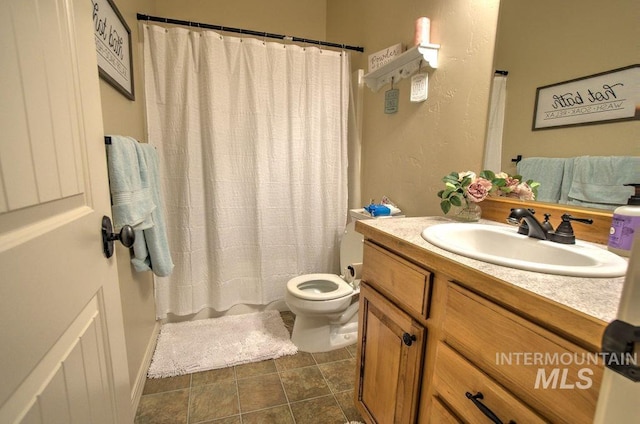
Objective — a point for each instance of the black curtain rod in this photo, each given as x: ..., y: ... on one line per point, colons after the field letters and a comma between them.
x: 499, y: 72
x: 142, y: 17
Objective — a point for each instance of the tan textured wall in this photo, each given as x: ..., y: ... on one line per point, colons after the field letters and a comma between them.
x: 300, y: 18
x: 406, y: 154
x: 125, y: 117
x: 546, y: 42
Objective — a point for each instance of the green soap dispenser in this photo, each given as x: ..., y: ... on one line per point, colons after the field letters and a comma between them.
x: 625, y: 222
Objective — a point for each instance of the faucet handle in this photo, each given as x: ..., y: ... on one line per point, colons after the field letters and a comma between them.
x: 568, y: 218
x: 546, y: 225
x: 564, y: 233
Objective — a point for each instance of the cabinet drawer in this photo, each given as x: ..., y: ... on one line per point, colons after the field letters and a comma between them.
x: 404, y: 283
x: 557, y: 379
x: 455, y: 377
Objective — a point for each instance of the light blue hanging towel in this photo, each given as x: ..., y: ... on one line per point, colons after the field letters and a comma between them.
x: 136, y: 201
x: 131, y: 198
x: 151, y: 247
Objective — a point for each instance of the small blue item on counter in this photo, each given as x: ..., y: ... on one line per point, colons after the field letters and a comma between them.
x: 378, y: 210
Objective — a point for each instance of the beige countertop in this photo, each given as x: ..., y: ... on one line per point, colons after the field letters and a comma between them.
x: 596, y: 297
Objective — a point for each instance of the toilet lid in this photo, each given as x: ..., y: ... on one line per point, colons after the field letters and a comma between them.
x: 350, y: 247
x: 319, y: 287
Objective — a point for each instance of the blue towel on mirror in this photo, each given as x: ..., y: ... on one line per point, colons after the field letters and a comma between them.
x: 599, y: 181
x: 548, y: 172
x: 567, y: 177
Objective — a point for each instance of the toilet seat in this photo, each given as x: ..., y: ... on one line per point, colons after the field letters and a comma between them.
x: 319, y: 287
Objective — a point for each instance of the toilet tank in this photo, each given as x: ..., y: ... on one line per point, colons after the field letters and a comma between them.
x: 351, y: 243
x: 350, y: 246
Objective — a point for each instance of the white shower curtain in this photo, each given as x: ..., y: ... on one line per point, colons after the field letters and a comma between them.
x: 495, y: 127
x: 252, y: 138
x: 355, y: 138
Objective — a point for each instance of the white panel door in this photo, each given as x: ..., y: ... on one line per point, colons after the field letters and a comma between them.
x: 62, y: 352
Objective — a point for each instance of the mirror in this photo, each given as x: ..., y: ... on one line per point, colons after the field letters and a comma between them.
x: 546, y: 42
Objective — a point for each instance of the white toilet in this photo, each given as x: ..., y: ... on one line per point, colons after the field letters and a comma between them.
x: 325, y: 305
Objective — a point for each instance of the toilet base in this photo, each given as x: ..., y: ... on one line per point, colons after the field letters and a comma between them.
x: 316, y: 334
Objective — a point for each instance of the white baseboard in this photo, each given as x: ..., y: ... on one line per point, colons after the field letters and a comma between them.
x: 138, y: 385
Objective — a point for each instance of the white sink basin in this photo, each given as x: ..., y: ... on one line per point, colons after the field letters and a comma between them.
x: 504, y: 246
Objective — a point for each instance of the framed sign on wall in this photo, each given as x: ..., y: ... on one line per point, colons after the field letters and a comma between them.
x: 113, y: 47
x: 610, y: 96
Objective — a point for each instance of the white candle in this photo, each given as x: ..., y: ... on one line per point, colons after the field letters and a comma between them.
x: 422, y: 32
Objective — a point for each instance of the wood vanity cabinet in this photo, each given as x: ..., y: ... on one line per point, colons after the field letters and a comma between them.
x: 432, y: 350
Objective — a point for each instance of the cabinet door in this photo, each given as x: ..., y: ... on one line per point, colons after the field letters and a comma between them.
x: 389, y: 360
x: 440, y: 414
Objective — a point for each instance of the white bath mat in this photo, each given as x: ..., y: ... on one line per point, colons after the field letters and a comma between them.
x: 202, y: 345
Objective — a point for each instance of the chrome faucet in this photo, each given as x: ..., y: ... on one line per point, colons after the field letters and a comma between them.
x: 529, y: 225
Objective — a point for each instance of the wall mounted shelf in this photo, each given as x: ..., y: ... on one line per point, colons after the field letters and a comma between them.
x: 404, y: 66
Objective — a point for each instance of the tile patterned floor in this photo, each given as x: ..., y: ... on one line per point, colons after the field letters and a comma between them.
x: 301, y: 389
